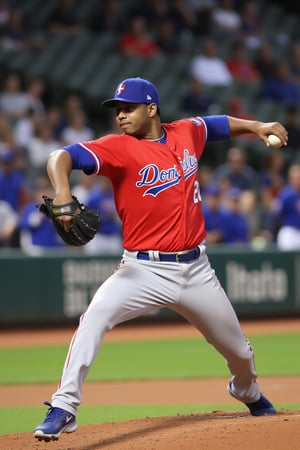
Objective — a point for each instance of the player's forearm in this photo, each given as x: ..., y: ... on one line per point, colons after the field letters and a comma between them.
x: 59, y: 168
x: 241, y: 126
x: 261, y: 129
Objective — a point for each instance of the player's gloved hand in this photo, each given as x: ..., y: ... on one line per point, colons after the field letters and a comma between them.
x: 85, y: 223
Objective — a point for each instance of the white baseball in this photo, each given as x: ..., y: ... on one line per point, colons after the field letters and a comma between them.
x: 274, y: 141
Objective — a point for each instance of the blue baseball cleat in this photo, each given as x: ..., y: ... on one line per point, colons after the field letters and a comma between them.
x: 262, y: 407
x: 57, y: 421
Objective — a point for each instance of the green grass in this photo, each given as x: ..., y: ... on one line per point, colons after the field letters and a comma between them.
x: 24, y: 419
x: 14, y: 420
x: 276, y: 354
x: 158, y: 359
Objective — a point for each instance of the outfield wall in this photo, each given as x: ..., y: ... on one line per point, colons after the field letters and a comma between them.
x: 57, y: 288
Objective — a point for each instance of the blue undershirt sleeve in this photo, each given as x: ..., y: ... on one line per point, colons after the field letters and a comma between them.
x: 217, y: 127
x: 81, y: 159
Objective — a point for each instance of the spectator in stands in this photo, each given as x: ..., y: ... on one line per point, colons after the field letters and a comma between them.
x: 108, y: 240
x: 198, y: 100
x: 209, y: 68
x: 294, y: 62
x: 39, y: 148
x: 235, y: 224
x: 167, y: 38
x: 15, y: 117
x: 6, y: 11
x: 183, y: 17
x: 226, y: 20
x: 236, y: 107
x: 8, y: 224
x: 60, y: 117
x: 267, y: 227
x: 64, y: 19
x: 241, y: 67
x: 13, y: 98
x: 272, y: 173
x: 72, y: 104
x: 155, y: 11
x: 249, y: 206
x: 16, y: 37
x: 24, y: 129
x: 108, y: 18
x: 236, y: 171
x: 252, y: 24
x: 35, y: 91
x: 292, y: 124
x: 7, y: 138
x: 272, y: 181
x: 214, y: 214
x: 264, y: 60
x: 83, y: 186
x: 78, y: 129
x: 280, y: 86
x: 137, y: 41
x: 288, y: 211
x: 56, y: 118
x: 12, y: 181
x: 37, y: 233
x: 206, y: 176
x: 201, y: 11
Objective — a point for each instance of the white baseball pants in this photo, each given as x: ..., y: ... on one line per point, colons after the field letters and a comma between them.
x: 138, y: 287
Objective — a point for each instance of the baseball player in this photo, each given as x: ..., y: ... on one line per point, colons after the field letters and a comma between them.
x: 153, y: 168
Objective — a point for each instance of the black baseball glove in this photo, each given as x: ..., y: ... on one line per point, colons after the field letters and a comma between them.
x: 86, y: 221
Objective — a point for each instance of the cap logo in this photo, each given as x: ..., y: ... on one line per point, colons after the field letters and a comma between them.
x: 121, y: 88
x: 134, y: 90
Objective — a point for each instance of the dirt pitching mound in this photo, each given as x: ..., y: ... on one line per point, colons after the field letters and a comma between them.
x: 208, y: 431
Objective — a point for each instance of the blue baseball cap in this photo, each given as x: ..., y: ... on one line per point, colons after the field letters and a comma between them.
x: 134, y: 90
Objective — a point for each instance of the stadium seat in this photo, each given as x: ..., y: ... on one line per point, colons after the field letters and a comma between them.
x: 90, y: 64
x: 48, y: 56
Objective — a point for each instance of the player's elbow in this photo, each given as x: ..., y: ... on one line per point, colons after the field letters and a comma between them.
x: 59, y: 159
x: 58, y: 156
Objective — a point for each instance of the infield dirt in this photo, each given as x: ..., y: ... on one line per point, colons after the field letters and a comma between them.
x: 218, y: 430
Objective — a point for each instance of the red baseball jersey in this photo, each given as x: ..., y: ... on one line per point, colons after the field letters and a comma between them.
x: 156, y: 186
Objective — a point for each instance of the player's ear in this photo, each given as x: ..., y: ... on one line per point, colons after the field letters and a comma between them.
x: 152, y: 109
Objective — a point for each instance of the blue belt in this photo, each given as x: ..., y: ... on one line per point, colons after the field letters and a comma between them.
x: 173, y: 257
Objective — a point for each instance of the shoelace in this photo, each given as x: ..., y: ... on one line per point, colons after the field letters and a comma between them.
x: 55, y: 412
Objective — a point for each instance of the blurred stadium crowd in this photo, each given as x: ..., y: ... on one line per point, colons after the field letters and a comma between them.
x: 58, y: 60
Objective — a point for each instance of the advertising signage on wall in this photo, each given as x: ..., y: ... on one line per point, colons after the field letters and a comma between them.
x: 265, y: 283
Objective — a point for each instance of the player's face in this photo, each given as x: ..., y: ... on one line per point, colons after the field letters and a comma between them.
x: 134, y: 118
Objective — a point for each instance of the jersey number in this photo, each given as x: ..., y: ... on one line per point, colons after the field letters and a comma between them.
x: 197, y: 195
